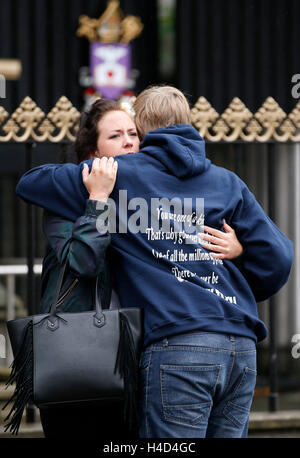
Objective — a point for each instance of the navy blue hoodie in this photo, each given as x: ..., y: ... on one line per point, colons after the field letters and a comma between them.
x: 163, y: 267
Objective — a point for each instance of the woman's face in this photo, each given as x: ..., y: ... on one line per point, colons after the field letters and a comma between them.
x: 117, y: 135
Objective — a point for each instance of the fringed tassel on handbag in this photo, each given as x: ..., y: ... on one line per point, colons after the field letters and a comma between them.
x: 127, y: 366
x: 22, y: 374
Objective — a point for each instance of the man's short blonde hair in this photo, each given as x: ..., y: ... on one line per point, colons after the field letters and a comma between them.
x: 160, y: 106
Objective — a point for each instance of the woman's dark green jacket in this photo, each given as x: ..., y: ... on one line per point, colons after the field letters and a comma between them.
x: 84, y: 245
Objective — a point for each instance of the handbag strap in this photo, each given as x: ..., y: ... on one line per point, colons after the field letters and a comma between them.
x: 99, y: 317
x: 58, y: 288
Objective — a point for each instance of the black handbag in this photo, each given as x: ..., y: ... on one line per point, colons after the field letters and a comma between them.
x: 75, y: 358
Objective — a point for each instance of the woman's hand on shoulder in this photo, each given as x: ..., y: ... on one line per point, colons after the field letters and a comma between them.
x: 101, y: 180
x: 224, y: 244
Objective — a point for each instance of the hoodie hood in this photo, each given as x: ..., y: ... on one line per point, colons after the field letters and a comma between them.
x: 179, y: 148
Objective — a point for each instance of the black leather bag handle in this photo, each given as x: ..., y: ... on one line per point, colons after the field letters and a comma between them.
x: 58, y: 288
x: 99, y: 317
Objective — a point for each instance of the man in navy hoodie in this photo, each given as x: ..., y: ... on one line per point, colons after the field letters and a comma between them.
x: 198, y: 368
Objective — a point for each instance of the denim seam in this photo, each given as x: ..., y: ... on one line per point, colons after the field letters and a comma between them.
x: 162, y: 390
x: 191, y: 368
x: 238, y: 406
x: 191, y: 348
x: 146, y: 396
x: 196, y: 404
x: 232, y: 419
x: 219, y: 371
x: 246, y: 369
x: 200, y: 348
x: 239, y: 385
x: 184, y: 421
x: 229, y: 375
x: 242, y: 352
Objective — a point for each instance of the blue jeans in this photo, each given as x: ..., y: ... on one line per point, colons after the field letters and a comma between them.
x: 196, y: 385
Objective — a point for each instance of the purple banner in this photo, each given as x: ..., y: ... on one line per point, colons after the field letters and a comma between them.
x: 110, y: 66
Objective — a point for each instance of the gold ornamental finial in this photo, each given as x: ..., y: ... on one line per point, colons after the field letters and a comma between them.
x: 131, y: 27
x: 29, y: 122
x: 88, y: 28
x: 111, y: 27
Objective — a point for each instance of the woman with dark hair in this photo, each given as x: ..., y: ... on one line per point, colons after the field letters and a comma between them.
x: 105, y: 131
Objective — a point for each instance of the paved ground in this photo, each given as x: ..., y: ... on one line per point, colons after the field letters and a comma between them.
x: 26, y: 430
x: 285, y: 423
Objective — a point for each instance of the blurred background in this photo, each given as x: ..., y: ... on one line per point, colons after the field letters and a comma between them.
x: 213, y: 48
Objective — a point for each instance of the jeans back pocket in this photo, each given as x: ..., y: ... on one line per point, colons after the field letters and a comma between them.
x: 187, y: 392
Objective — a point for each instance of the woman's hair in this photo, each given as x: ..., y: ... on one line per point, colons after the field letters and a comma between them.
x: 87, y: 136
x: 160, y: 106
